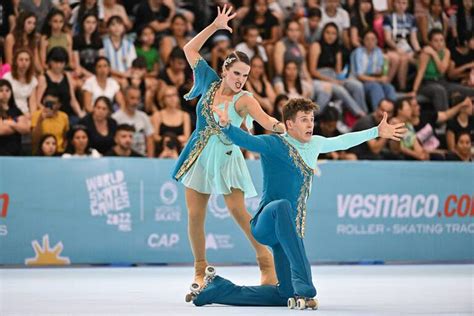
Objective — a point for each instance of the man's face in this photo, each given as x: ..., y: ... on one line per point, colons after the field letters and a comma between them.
x: 400, y: 5
x: 301, y: 128
x: 54, y: 101
x: 124, y: 139
x: 133, y: 98
x: 332, y: 4
x: 252, y: 37
x: 385, y: 106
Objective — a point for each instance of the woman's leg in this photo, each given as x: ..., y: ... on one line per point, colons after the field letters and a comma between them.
x: 403, y: 71
x: 236, y: 205
x: 196, y: 203
x: 356, y: 89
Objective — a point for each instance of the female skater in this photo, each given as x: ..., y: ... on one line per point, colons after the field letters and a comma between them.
x: 210, y: 163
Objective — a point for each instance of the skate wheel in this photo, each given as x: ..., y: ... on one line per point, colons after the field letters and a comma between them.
x: 315, y: 304
x: 301, y: 303
x: 210, y: 271
x: 194, y: 287
x: 188, y: 298
x: 291, y: 303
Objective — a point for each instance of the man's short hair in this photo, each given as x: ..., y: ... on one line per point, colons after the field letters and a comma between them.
x: 125, y: 127
x: 293, y: 106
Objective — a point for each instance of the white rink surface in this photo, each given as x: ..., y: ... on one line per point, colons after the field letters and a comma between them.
x: 342, y: 290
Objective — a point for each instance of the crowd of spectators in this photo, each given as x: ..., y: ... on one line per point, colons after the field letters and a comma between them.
x: 107, y: 77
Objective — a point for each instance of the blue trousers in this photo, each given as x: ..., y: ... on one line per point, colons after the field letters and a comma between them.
x: 275, y: 227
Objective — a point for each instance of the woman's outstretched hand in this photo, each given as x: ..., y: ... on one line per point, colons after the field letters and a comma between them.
x: 223, y: 17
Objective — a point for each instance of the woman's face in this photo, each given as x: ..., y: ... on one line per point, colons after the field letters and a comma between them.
x: 116, y: 28
x: 147, y: 37
x: 79, y: 141
x: 178, y: 28
x: 365, y: 6
x: 467, y: 5
x: 293, y: 31
x: 257, y: 68
x: 5, y: 94
x: 91, y: 3
x: 56, y: 22
x: 102, y: 68
x: 49, y: 146
x: 170, y: 98
x: 437, y: 42
x: 100, y: 111
x: 464, y: 144
x: 178, y: 64
x: 90, y: 24
x: 236, y: 76
x: 261, y: 7
x: 291, y: 71
x: 23, y: 62
x: 30, y: 25
x: 330, y: 35
x: 436, y: 8
x: 370, y: 41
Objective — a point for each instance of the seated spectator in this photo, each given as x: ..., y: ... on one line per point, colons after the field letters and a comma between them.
x: 78, y: 144
x: 462, y: 22
x: 54, y: 35
x: 280, y: 100
x: 332, y: 12
x: 171, y: 119
x: 176, y: 74
x: 84, y: 8
x: 119, y: 50
x: 251, y: 45
x: 409, y: 146
x: 362, y: 20
x: 171, y: 147
x: 47, y: 146
x: 50, y: 120
x: 430, y: 79
x: 435, y: 19
x: 112, y: 8
x: 221, y: 48
x: 425, y: 123
x: 463, y: 122
x: 292, y: 84
x: 23, y: 36
x: 143, y: 138
x: 87, y: 46
x: 258, y: 84
x: 123, y: 142
x: 146, y: 50
x: 23, y: 81
x: 4, y: 68
x: 101, y: 85
x: 311, y: 26
x: 156, y: 13
x: 13, y: 123
x: 289, y: 49
x: 325, y: 66
x: 401, y: 38
x: 462, y: 150
x: 268, y: 26
x: 178, y: 37
x: 101, y: 127
x: 367, y: 65
x: 146, y: 85
x: 57, y: 79
x: 374, y: 149
x: 40, y: 8
x: 461, y: 67
x: 326, y: 126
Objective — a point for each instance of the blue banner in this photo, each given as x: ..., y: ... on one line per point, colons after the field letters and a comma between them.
x: 114, y: 211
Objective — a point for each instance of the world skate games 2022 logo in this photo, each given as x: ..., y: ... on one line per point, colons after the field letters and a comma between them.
x: 4, y: 203
x: 168, y: 211
x: 422, y: 214
x: 109, y: 197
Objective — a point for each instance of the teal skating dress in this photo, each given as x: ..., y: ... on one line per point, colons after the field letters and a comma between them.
x: 210, y: 163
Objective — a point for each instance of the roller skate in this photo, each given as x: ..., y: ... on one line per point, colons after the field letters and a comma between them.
x: 196, y: 289
x: 301, y: 303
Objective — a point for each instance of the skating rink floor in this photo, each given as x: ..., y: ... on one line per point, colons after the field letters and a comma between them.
x: 342, y: 290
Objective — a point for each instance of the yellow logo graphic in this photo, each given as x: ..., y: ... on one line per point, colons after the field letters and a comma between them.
x: 46, y: 255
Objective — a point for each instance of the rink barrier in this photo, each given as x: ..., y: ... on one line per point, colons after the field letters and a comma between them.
x: 129, y: 211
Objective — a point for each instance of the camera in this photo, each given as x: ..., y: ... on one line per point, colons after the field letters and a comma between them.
x: 49, y: 104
